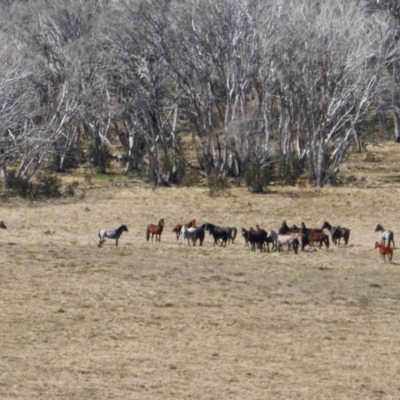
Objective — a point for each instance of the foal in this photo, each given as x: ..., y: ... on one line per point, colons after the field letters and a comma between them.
x: 115, y: 234
x: 384, y: 251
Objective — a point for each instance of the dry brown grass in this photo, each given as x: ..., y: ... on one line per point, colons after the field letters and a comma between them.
x: 160, y: 320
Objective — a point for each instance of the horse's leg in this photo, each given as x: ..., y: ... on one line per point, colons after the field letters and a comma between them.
x: 116, y: 241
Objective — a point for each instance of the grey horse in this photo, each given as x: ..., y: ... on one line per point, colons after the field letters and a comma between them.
x: 115, y: 234
x: 385, y: 235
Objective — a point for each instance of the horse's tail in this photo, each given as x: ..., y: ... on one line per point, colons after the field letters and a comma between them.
x: 347, y: 236
x: 101, y: 239
x: 233, y: 234
x: 147, y: 235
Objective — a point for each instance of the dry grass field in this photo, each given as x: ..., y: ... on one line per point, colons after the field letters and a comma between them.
x: 164, y: 321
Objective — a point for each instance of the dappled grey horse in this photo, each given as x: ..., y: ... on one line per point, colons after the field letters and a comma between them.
x: 115, y: 234
x: 385, y: 235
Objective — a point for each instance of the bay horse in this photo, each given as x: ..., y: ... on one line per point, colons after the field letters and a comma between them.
x: 178, y: 228
x: 337, y: 233
x: 384, y: 251
x: 385, y: 235
x: 111, y: 234
x: 155, y: 230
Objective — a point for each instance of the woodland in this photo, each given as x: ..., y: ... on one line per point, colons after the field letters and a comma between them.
x: 180, y: 92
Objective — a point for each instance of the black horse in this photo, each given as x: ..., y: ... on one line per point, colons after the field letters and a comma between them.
x: 258, y: 238
x: 337, y: 233
x: 199, y: 235
x: 218, y: 233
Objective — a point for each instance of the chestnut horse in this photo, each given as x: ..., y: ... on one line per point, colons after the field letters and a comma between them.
x: 384, y: 251
x: 155, y: 230
x: 178, y: 228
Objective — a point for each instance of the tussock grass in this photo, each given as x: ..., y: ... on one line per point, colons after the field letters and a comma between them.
x: 162, y: 320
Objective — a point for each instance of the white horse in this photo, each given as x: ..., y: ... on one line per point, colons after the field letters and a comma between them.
x: 115, y: 234
x: 284, y: 240
x: 188, y: 234
x: 385, y: 235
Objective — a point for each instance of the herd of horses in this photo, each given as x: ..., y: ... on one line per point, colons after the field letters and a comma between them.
x: 293, y: 237
x: 257, y: 238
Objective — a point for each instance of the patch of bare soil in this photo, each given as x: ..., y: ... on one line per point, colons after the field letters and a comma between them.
x: 162, y: 320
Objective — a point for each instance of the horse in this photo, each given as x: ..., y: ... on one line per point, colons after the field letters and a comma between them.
x: 318, y: 237
x: 258, y: 238
x: 284, y: 229
x: 282, y: 240
x: 385, y: 235
x: 218, y: 233
x: 245, y: 235
x: 337, y: 233
x: 178, y: 228
x: 384, y: 251
x: 188, y: 234
x: 296, y: 232
x: 232, y: 232
x: 155, y: 230
x: 115, y: 234
x: 2, y: 225
x: 199, y: 235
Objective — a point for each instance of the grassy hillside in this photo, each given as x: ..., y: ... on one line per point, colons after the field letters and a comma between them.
x: 163, y: 320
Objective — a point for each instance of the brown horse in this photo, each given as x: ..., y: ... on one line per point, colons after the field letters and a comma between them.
x: 318, y: 237
x: 384, y: 251
x: 178, y: 228
x: 155, y: 230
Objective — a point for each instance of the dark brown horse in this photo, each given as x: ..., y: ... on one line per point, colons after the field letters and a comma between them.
x: 178, y: 228
x: 155, y: 230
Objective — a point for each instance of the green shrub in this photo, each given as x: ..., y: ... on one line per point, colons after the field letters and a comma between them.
x: 69, y: 190
x: 217, y: 184
x: 257, y: 177
x: 46, y: 186
x: 18, y: 185
x: 100, y: 158
x: 287, y: 172
x: 191, y: 178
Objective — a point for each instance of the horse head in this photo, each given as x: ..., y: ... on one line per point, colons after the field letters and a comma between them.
x: 123, y: 228
x: 326, y: 225
x: 379, y: 228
